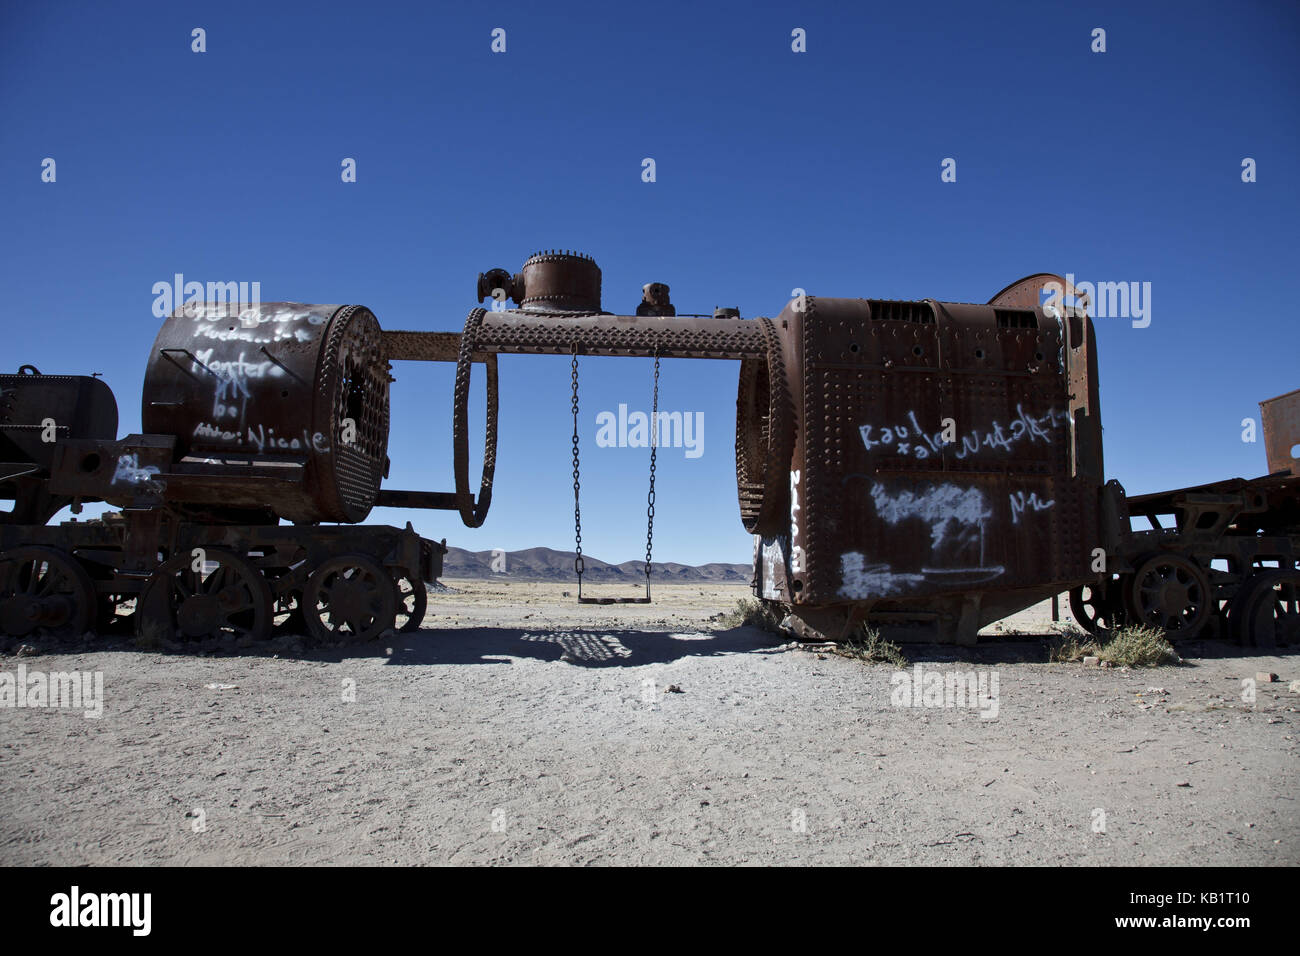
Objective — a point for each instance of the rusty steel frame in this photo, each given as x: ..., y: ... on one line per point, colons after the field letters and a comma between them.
x: 810, y: 381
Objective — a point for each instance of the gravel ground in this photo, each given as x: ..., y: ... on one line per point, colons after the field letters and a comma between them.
x: 520, y: 728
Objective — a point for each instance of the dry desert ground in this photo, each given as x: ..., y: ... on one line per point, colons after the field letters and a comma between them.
x: 519, y: 728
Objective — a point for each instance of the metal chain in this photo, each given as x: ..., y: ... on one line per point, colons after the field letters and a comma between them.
x: 472, y: 512
x: 654, y: 451
x: 578, y: 564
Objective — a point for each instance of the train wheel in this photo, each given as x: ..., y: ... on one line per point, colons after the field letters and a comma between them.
x: 412, y: 602
x: 1096, y: 607
x: 228, y: 598
x: 350, y: 598
x: 1235, y: 614
x: 1269, y: 614
x: 44, y: 592
x: 1170, y: 592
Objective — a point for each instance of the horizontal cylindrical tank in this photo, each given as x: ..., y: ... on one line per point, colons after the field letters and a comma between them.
x: 931, y: 448
x: 277, y: 382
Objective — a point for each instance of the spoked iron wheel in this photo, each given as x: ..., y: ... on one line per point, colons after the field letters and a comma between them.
x: 44, y: 592
x: 228, y: 598
x: 1097, y: 607
x: 412, y: 602
x: 350, y: 598
x: 1269, y: 614
x: 1170, y: 592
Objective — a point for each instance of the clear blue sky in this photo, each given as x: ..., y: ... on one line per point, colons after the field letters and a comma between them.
x: 775, y: 170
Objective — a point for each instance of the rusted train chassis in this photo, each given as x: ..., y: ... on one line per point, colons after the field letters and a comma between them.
x: 241, y: 583
x: 1219, y: 559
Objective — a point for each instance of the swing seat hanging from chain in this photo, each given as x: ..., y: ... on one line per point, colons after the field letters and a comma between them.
x: 578, y: 564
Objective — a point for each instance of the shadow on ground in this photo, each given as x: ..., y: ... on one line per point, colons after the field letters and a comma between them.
x: 581, y: 647
x: 592, y: 647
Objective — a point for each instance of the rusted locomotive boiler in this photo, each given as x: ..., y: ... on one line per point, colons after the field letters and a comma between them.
x: 251, y: 416
x: 943, y: 462
x: 291, y: 399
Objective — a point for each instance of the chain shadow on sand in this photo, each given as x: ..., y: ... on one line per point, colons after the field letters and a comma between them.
x: 579, y: 647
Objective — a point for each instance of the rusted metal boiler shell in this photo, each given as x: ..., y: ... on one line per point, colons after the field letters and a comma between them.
x: 929, y: 449
x: 302, y: 387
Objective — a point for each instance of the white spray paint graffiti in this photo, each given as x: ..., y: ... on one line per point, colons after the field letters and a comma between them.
x: 956, y: 517
x: 254, y: 325
x: 214, y: 432
x: 771, y: 552
x: 231, y: 389
x: 796, y: 552
x: 245, y: 334
x: 1024, y: 425
x: 912, y: 439
x: 1020, y: 503
x: 231, y: 392
x: 862, y: 580
x: 265, y: 438
x: 128, y: 471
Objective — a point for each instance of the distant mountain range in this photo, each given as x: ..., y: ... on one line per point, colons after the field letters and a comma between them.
x: 545, y: 564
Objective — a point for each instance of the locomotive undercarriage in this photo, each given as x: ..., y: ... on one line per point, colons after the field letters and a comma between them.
x: 244, y: 583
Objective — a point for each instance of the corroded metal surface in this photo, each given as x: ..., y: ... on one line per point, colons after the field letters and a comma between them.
x: 36, y: 413
x: 108, y: 553
x: 518, y: 331
x: 473, y: 512
x: 765, y: 433
x: 279, y: 385
x: 558, y: 281
x: 935, y: 456
x: 1280, y: 422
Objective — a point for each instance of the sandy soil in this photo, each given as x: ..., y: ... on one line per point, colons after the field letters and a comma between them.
x: 520, y: 728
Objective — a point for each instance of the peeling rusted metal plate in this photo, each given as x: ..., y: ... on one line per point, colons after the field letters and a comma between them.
x: 1280, y: 421
x: 1027, y: 293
